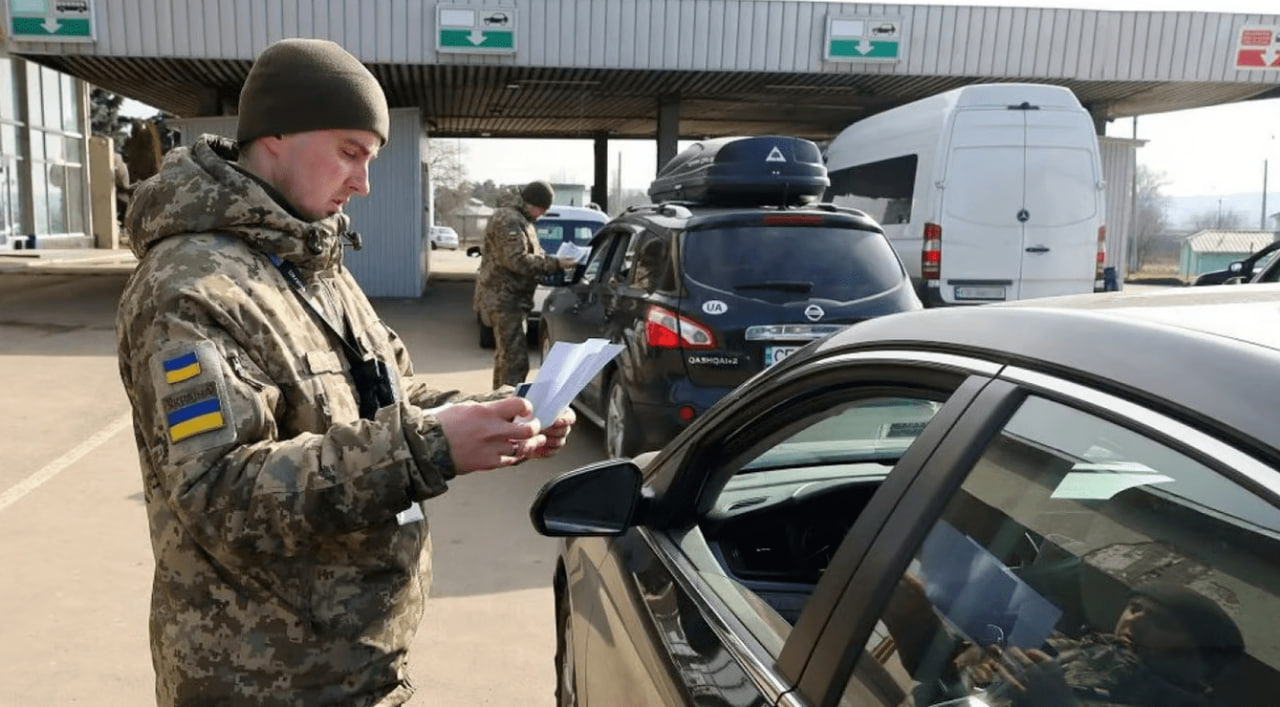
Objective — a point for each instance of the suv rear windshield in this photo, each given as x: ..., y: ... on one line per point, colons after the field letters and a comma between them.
x: 769, y: 262
x: 552, y: 233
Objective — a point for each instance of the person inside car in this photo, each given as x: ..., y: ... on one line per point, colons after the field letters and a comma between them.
x: 1166, y: 648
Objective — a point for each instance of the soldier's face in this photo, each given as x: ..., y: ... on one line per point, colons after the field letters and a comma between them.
x: 322, y: 169
x: 1147, y: 625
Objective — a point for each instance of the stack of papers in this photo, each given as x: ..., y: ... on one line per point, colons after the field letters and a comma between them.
x: 565, y: 372
x: 570, y: 250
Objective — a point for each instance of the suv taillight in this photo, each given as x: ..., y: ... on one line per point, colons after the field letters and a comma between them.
x: 1102, y: 252
x: 665, y: 329
x: 931, y: 253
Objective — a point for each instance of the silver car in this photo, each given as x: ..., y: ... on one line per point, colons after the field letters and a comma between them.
x: 443, y: 237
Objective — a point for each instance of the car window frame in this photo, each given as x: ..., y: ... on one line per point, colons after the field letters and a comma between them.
x: 957, y: 378
x: 827, y: 670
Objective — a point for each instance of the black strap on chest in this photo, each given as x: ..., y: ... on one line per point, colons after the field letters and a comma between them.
x: 370, y: 374
x: 292, y: 275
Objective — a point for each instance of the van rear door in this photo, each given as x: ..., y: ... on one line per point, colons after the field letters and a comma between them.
x: 982, y: 189
x: 1063, y: 204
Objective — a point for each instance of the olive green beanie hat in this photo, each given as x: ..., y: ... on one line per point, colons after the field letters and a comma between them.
x: 297, y: 85
x: 538, y: 194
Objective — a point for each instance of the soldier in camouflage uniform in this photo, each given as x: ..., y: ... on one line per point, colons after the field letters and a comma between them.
x: 292, y: 558
x: 1166, y: 647
x: 511, y: 262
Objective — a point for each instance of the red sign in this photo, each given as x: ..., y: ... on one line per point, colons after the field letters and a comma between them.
x: 1258, y: 48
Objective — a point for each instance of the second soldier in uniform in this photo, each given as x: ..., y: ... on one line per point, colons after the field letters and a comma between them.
x: 511, y: 263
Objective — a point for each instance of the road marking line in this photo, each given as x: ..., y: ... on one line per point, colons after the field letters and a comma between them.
x: 31, y: 483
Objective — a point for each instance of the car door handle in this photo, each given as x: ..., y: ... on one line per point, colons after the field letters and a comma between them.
x: 1038, y: 249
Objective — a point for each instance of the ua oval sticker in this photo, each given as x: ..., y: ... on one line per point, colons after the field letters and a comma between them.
x: 714, y: 306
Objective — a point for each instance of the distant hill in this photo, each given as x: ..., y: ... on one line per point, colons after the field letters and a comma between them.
x: 1182, y: 209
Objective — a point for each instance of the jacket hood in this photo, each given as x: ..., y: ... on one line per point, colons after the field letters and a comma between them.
x: 199, y: 190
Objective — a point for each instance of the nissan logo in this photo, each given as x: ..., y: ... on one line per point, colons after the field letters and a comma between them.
x: 813, y: 313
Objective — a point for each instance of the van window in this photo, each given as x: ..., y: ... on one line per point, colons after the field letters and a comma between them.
x: 883, y: 189
x: 779, y: 264
x: 1061, y: 186
x: 971, y: 199
x: 552, y: 233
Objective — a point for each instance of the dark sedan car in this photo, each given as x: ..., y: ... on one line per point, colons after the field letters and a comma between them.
x: 1058, y: 502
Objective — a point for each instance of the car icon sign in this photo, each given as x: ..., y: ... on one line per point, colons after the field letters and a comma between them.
x: 887, y: 28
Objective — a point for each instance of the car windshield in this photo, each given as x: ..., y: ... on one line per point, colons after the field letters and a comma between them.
x: 765, y: 262
x: 552, y: 233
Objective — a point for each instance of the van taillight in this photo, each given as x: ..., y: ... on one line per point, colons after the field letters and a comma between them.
x: 665, y: 329
x: 931, y: 255
x: 1102, y: 252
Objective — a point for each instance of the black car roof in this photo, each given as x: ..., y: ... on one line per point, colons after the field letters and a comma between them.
x: 1208, y: 354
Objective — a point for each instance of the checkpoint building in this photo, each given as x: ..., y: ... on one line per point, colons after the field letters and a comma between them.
x: 606, y: 69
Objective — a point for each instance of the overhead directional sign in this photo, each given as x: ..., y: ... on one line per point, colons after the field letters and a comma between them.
x: 863, y: 39
x: 51, y: 20
x: 1258, y: 48
x: 475, y: 30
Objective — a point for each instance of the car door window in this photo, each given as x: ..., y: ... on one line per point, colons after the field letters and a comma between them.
x: 777, y: 521
x: 1082, y: 562
x: 599, y: 258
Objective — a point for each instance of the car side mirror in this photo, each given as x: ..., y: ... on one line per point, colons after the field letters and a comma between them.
x: 1236, y: 266
x: 473, y: 251
x: 597, y: 500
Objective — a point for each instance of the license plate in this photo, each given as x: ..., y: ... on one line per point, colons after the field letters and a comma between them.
x: 773, y: 354
x: 980, y: 292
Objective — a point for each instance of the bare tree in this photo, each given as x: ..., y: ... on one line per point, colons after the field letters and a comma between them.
x: 447, y: 173
x: 1219, y: 219
x: 1151, y: 221
x: 445, y: 162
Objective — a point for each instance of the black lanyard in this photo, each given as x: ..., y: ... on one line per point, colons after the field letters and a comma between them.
x: 355, y: 352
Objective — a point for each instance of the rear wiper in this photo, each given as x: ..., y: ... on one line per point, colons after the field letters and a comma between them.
x: 780, y: 285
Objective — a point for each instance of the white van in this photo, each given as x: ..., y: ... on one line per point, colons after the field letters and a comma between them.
x: 989, y: 192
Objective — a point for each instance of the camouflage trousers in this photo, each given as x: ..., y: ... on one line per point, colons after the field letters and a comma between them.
x: 511, y: 355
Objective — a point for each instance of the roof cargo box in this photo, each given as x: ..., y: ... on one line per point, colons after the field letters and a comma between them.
x: 768, y: 169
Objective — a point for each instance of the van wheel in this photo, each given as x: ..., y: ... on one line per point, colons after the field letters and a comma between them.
x: 620, y: 436
x: 486, y: 334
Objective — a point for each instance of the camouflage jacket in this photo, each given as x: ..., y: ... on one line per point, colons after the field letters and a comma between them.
x: 282, y: 575
x: 511, y: 262
x: 1102, y: 671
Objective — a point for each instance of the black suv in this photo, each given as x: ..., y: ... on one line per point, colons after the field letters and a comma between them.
x: 731, y: 270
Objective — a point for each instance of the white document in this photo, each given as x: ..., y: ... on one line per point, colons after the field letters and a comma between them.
x: 571, y: 250
x: 566, y: 371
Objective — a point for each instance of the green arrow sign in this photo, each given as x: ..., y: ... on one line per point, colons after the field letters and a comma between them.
x: 477, y: 39
x: 51, y: 20
x: 469, y: 29
x: 862, y: 49
x: 863, y: 38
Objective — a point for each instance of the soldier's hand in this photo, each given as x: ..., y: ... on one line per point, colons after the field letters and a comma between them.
x: 487, y: 435
x: 556, y: 434
x: 567, y: 263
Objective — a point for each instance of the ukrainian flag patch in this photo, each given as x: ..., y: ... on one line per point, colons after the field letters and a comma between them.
x: 193, y: 411
x: 184, y: 367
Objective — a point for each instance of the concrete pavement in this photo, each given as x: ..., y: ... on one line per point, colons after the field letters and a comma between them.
x: 74, y: 545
